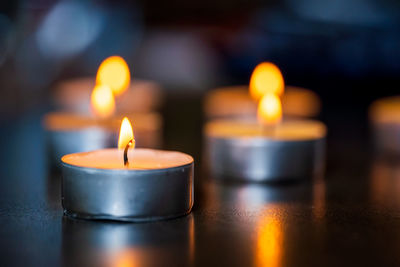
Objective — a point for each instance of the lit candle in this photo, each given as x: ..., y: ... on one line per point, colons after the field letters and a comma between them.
x: 72, y: 132
x: 265, y: 150
x: 241, y: 101
x: 384, y: 116
x: 136, y: 96
x: 127, y: 184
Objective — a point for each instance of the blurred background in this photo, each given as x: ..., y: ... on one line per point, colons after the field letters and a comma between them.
x: 347, y: 51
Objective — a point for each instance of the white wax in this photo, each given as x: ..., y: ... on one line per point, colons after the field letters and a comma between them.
x: 74, y: 95
x: 291, y: 130
x: 235, y: 101
x: 139, y: 159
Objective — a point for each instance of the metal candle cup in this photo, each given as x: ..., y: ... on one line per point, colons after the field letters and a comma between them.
x: 156, y: 185
x: 68, y: 133
x: 385, y: 120
x: 236, y: 102
x: 243, y: 151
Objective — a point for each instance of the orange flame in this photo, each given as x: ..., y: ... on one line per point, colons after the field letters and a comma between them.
x: 126, y: 134
x: 266, y: 78
x: 269, y: 109
x: 102, y: 101
x: 114, y: 72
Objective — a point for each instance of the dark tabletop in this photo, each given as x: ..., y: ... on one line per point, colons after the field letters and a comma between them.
x: 349, y: 217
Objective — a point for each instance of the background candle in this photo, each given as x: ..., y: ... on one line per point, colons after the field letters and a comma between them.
x: 138, y: 96
x: 74, y: 96
x: 69, y: 133
x: 235, y: 102
x: 385, y: 120
x: 267, y: 149
x: 241, y: 150
x: 241, y: 101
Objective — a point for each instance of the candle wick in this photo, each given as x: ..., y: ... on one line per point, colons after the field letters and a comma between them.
x: 126, y: 163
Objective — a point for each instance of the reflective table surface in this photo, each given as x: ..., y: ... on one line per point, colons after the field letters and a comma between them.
x: 349, y: 217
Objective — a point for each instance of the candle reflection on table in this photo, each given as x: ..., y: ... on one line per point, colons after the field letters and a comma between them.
x: 385, y: 183
x: 270, y: 237
x: 267, y: 216
x: 87, y: 243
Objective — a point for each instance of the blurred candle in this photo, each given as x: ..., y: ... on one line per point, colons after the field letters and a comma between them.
x: 136, y: 96
x: 69, y: 132
x: 384, y: 116
x: 241, y: 101
x: 265, y: 150
x: 87, y: 243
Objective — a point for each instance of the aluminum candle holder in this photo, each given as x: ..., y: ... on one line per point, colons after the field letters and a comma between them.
x: 237, y: 151
x: 159, y: 187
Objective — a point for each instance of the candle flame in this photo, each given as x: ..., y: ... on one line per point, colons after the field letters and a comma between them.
x: 126, y: 134
x: 266, y: 78
x: 102, y: 100
x: 114, y: 72
x: 269, y: 109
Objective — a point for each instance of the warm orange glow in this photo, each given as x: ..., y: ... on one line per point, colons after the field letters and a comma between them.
x: 266, y: 78
x: 269, y: 243
x: 126, y: 134
x: 114, y: 72
x: 102, y: 100
x: 126, y: 258
x: 385, y: 183
x: 269, y: 109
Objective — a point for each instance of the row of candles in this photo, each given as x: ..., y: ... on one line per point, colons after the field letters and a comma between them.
x: 259, y: 134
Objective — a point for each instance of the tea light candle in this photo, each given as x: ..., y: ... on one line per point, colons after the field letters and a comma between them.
x: 136, y: 96
x: 69, y: 133
x: 127, y: 185
x: 384, y: 116
x: 239, y: 102
x: 265, y: 150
